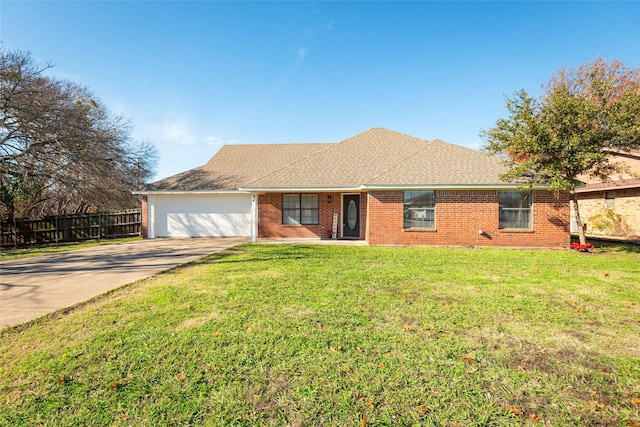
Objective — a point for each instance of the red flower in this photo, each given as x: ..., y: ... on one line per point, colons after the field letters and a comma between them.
x: 582, y: 248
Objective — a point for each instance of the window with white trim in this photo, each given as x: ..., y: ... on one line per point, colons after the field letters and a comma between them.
x: 300, y: 209
x: 420, y: 209
x: 515, y: 210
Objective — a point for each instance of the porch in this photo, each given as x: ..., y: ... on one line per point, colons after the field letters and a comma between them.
x: 313, y: 216
x: 313, y: 241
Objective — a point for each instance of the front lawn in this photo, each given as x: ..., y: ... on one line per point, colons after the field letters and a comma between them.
x: 343, y: 336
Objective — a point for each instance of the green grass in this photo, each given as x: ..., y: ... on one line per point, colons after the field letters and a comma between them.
x: 10, y: 253
x: 326, y: 335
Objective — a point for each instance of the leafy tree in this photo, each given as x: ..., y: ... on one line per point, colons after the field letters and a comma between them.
x: 61, y: 150
x: 584, y: 116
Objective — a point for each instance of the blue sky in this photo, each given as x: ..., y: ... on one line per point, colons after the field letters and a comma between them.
x: 193, y: 76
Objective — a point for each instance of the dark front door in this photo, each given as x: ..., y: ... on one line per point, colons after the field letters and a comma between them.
x: 351, y: 216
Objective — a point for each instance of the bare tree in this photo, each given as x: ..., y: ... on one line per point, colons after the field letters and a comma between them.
x: 61, y: 150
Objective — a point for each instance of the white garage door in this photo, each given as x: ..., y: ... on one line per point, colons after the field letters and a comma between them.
x: 203, y: 215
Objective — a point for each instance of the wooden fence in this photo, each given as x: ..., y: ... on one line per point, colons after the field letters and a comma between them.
x: 71, y: 228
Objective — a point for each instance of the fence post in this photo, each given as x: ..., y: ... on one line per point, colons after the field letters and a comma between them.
x: 99, y: 225
x: 57, y: 240
x: 15, y: 233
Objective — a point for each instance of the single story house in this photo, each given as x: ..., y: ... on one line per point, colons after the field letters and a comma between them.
x: 380, y: 186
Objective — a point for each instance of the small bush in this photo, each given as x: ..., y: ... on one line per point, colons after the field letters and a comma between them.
x: 609, y: 222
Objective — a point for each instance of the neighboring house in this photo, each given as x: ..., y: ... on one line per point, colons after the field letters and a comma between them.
x: 612, y: 207
x: 382, y: 186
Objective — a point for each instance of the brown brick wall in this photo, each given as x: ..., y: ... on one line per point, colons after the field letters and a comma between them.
x: 270, y: 217
x: 627, y: 205
x: 144, y: 213
x: 461, y: 214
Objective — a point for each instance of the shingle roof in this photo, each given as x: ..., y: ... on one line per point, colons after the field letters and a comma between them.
x: 235, y: 166
x: 386, y: 158
x: 377, y: 157
x: 441, y: 163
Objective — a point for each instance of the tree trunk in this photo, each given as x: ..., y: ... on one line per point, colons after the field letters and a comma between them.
x: 576, y: 210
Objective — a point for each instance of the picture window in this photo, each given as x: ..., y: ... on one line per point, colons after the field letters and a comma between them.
x: 300, y: 209
x: 515, y: 210
x: 420, y: 209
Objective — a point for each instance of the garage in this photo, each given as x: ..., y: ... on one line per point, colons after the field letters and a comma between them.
x: 201, y: 215
x: 206, y: 201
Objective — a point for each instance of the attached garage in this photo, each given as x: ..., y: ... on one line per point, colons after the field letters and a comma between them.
x: 201, y: 215
x: 206, y: 201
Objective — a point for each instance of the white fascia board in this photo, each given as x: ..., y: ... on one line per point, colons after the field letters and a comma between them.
x: 365, y: 187
x: 448, y: 187
x: 301, y: 189
x: 186, y: 193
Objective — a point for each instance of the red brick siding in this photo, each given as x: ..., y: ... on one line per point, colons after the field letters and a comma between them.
x: 144, y: 213
x: 461, y: 214
x: 364, y: 203
x: 270, y: 217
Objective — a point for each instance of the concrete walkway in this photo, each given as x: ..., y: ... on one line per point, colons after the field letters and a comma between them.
x: 32, y: 287
x: 316, y: 241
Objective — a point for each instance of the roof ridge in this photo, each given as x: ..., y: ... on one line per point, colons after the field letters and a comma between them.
x: 315, y: 153
x: 429, y: 143
x: 258, y: 144
x: 473, y: 150
x: 332, y: 145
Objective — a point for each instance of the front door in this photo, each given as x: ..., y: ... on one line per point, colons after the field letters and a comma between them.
x: 351, y: 216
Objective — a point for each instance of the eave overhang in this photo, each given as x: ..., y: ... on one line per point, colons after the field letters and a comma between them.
x: 447, y: 187
x: 606, y: 186
x: 300, y: 189
x: 367, y: 187
x: 185, y: 193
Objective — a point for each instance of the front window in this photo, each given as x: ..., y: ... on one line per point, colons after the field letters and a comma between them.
x: 420, y: 209
x: 515, y: 210
x: 300, y: 209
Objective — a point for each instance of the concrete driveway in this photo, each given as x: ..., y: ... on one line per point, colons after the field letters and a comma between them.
x: 32, y: 287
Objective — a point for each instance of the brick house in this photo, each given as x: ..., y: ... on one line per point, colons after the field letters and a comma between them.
x: 612, y: 207
x: 380, y: 186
